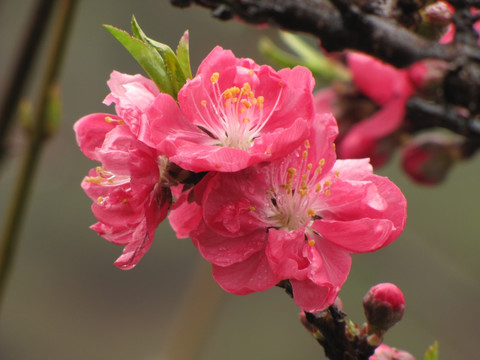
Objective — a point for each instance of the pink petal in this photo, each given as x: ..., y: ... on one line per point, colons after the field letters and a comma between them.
x: 361, y: 140
x: 311, y: 297
x: 230, y: 203
x: 185, y: 216
x: 225, y: 251
x: 285, y: 253
x: 356, y: 236
x: 379, y: 81
x: 253, y: 274
x: 91, y: 130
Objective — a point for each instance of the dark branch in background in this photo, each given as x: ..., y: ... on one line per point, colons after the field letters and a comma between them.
x: 376, y: 29
x: 23, y: 64
x: 340, y: 25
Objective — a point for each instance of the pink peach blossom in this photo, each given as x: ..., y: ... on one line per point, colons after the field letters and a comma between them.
x: 389, y: 89
x: 385, y: 352
x: 297, y: 218
x: 234, y: 113
x: 132, y: 96
x: 129, y: 200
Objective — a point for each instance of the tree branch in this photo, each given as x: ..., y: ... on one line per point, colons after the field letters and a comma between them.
x: 340, y: 25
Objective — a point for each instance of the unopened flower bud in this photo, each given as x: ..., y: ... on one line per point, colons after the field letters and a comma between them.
x: 427, y: 75
x: 436, y: 18
x: 439, y: 13
x: 428, y: 158
x: 385, y: 352
x: 384, y: 305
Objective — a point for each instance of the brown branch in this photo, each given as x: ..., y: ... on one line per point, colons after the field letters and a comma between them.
x: 340, y: 25
x: 427, y: 114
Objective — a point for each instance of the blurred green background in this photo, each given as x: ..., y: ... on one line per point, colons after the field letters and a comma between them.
x: 66, y: 300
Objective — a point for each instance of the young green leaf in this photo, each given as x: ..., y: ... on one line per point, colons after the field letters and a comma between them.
x: 172, y: 65
x: 432, y: 352
x: 183, y: 55
x: 148, y: 58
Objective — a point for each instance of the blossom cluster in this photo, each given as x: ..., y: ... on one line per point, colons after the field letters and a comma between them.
x: 371, y: 108
x: 242, y: 163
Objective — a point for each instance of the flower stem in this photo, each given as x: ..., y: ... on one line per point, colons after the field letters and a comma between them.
x: 36, y: 139
x: 23, y: 64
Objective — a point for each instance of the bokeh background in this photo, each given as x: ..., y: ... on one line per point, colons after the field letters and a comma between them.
x: 66, y: 301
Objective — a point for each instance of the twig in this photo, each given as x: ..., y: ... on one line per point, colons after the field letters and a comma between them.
x: 36, y: 140
x: 22, y: 67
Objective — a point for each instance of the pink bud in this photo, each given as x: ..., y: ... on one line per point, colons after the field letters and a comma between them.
x: 384, y: 305
x: 428, y: 158
x: 439, y: 13
x: 385, y: 352
x: 426, y: 75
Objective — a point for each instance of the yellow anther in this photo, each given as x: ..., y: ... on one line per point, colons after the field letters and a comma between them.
x: 110, y: 120
x: 303, y: 192
x: 318, y: 187
x: 304, y: 177
x: 250, y: 72
x: 328, y: 183
x: 305, y: 154
x: 291, y: 172
x: 246, y: 120
x: 260, y: 101
x: 311, y: 242
x: 307, y: 144
x: 318, y: 170
x: 124, y: 201
x: 246, y: 88
x: 214, y: 77
x: 100, y: 200
x: 93, y: 180
x: 311, y: 212
x: 337, y: 174
x: 203, y: 102
x: 246, y: 103
x: 251, y: 208
x: 321, y: 162
x: 309, y: 166
x: 327, y: 192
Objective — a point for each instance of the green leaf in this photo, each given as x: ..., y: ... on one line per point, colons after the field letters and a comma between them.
x: 276, y: 55
x: 148, y: 58
x: 323, y: 69
x: 183, y: 55
x: 432, y: 352
x: 172, y: 65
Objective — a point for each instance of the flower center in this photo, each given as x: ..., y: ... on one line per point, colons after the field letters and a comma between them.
x: 296, y: 187
x: 235, y: 116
